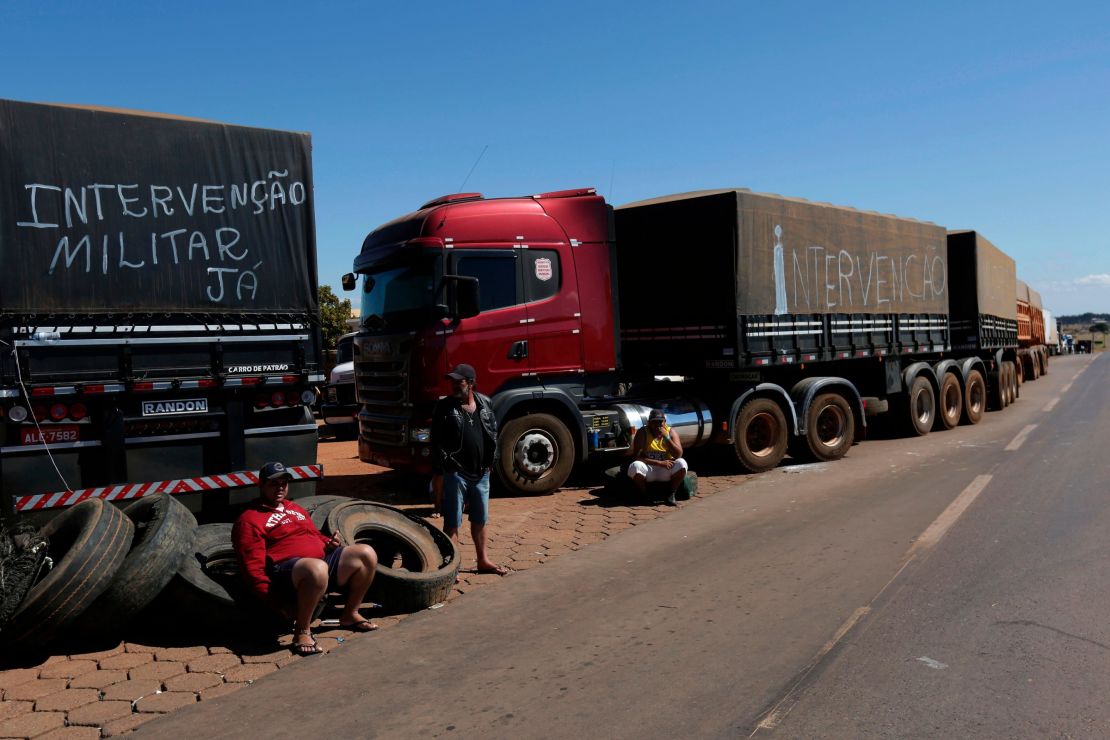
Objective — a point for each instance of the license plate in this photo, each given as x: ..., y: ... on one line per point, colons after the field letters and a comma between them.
x: 50, y: 434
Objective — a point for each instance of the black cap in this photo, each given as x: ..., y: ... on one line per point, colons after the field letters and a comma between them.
x: 462, y: 372
x: 271, y: 471
x: 657, y: 415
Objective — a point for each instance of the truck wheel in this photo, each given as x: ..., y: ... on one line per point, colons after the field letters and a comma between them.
x: 951, y: 402
x: 830, y: 428
x: 164, y: 534
x: 417, y: 563
x: 88, y: 543
x: 1015, y: 386
x: 1020, y: 374
x: 537, y: 454
x: 975, y: 397
x: 921, y: 406
x: 1034, y: 367
x: 761, y: 435
x: 1044, y: 364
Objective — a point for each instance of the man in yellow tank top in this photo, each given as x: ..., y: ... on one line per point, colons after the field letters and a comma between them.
x: 657, y: 456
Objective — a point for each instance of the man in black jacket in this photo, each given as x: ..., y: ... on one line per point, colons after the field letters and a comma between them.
x: 464, y: 442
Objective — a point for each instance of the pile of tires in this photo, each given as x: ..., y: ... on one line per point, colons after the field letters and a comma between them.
x: 95, y: 569
x: 105, y: 566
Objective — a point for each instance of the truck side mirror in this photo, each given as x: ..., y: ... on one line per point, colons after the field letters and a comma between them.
x: 467, y: 300
x: 350, y: 280
x: 463, y: 299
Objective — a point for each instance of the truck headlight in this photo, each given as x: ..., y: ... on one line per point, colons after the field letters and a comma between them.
x: 421, y: 434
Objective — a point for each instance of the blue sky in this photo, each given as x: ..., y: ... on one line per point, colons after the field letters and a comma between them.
x: 986, y: 115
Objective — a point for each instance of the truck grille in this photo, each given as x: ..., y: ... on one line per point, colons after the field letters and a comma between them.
x: 382, y: 386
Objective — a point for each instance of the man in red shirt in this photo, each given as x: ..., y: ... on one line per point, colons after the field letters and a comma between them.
x: 283, y: 557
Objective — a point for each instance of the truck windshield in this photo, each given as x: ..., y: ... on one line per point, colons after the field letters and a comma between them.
x: 344, y: 351
x: 400, y: 296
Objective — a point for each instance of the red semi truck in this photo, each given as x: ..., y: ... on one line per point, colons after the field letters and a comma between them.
x: 789, y: 323
x: 1032, y: 340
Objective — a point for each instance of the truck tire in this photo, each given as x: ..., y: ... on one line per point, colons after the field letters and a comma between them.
x: 22, y: 559
x: 951, y: 402
x: 761, y: 435
x: 88, y: 543
x: 417, y: 563
x: 537, y: 454
x: 1034, y: 366
x: 830, y: 428
x: 318, y: 508
x: 975, y: 397
x: 164, y: 534
x: 1015, y: 386
x: 1044, y: 363
x: 998, y: 393
x: 921, y: 406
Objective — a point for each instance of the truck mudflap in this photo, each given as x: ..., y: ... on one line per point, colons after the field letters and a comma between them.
x: 130, y: 491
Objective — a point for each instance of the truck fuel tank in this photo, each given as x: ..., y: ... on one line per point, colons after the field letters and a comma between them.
x: 688, y: 416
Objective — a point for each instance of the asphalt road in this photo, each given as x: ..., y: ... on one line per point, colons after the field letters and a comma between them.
x: 920, y: 587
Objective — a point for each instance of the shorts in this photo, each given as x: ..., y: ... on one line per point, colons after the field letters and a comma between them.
x: 476, y: 494
x: 655, y: 473
x: 281, y: 574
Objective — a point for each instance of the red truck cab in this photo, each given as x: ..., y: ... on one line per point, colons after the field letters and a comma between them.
x: 542, y: 330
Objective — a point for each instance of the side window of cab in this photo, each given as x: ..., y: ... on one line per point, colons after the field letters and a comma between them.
x: 498, y: 274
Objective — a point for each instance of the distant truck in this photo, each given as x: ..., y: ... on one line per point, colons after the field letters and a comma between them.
x: 158, y: 307
x: 791, y: 322
x: 1032, y: 340
x: 1052, y: 333
x: 340, y: 410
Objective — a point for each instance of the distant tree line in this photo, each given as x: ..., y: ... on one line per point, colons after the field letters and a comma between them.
x: 1082, y: 318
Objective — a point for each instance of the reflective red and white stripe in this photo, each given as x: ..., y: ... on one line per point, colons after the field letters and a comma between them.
x: 125, y: 491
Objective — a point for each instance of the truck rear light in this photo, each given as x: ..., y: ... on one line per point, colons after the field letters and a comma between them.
x: 44, y: 391
x: 78, y: 411
x: 277, y: 398
x: 59, y: 411
x: 38, y: 411
x: 17, y: 413
x: 261, y: 403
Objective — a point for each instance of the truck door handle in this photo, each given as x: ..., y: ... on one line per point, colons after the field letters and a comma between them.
x: 519, y: 350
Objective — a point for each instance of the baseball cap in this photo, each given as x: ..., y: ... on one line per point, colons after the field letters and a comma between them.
x: 657, y: 415
x: 462, y: 372
x: 272, y: 470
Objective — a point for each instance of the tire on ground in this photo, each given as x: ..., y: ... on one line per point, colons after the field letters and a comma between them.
x: 318, y: 508
x: 88, y: 544
x: 417, y: 563
x: 164, y: 534
x: 950, y: 404
x: 920, y: 406
x: 761, y: 435
x: 537, y: 454
x: 1015, y: 386
x: 975, y: 397
x: 830, y: 428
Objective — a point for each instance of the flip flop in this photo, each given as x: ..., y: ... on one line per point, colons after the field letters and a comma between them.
x: 306, y: 649
x: 497, y: 570
x: 364, y: 625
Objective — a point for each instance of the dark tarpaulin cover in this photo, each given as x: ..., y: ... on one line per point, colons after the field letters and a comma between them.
x: 984, y: 278
x: 774, y: 255
x: 118, y: 212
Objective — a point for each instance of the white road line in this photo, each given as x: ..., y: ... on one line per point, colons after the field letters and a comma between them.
x: 1017, y: 441
x: 1051, y: 404
x: 1065, y: 388
x: 932, y: 534
x: 948, y: 517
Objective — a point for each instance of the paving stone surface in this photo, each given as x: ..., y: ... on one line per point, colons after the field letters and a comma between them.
x: 32, y: 724
x: 167, y: 701
x: 71, y: 733
x: 63, y: 701
x: 525, y: 532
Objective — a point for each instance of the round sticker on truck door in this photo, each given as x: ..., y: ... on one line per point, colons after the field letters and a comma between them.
x: 543, y: 269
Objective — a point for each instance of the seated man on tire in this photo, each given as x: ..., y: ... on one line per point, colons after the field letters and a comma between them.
x: 285, y: 559
x: 657, y: 456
